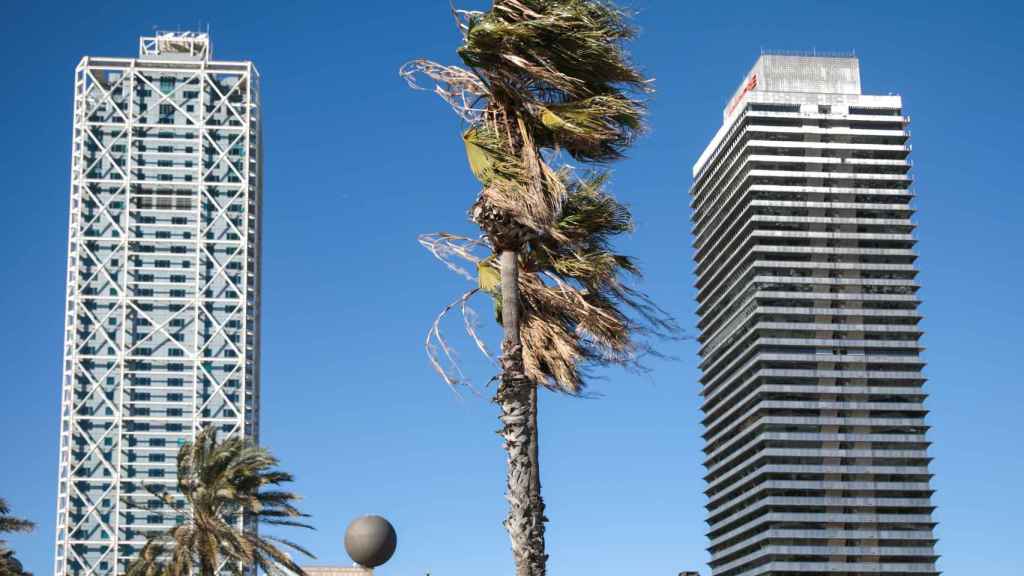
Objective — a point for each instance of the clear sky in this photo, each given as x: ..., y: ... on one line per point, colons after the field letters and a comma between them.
x: 357, y: 165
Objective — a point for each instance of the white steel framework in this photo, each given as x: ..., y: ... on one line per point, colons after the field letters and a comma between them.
x: 162, y: 318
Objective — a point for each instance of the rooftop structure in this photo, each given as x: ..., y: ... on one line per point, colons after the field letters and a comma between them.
x: 162, y: 313
x: 815, y: 434
x: 176, y: 46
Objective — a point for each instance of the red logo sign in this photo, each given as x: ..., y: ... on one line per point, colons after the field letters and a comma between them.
x: 750, y: 85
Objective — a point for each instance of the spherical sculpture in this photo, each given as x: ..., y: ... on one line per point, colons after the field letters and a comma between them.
x: 370, y: 541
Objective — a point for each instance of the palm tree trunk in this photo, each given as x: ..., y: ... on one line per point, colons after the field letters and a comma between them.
x: 513, y: 397
x: 539, y: 554
x: 538, y: 557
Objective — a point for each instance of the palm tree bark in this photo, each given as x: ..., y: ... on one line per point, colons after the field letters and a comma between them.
x: 513, y: 398
x: 537, y: 546
x: 537, y: 555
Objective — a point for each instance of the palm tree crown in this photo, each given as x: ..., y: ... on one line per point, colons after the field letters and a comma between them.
x: 548, y: 77
x: 226, y: 485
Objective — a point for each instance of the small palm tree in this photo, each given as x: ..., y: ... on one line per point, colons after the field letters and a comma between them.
x: 546, y: 81
x: 9, y: 565
x: 224, y: 485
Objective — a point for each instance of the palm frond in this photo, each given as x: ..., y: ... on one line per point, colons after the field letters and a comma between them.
x: 581, y: 310
x: 10, y: 523
x: 462, y: 89
x: 450, y: 248
x: 442, y: 356
x: 563, y: 63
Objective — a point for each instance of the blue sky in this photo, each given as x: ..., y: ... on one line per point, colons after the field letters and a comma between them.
x: 357, y: 165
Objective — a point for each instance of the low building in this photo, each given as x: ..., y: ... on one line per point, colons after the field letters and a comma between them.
x: 337, y: 571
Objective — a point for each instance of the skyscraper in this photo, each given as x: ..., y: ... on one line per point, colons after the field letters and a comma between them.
x: 814, y: 419
x: 162, y: 316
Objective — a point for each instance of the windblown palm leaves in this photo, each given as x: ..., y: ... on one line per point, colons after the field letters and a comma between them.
x: 10, y: 523
x: 543, y: 74
x: 562, y: 62
x: 518, y: 195
x: 9, y: 565
x: 579, y: 306
x: 551, y: 75
x: 224, y: 484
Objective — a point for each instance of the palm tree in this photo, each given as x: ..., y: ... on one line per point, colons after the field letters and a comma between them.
x: 9, y: 565
x: 546, y: 79
x: 223, y: 484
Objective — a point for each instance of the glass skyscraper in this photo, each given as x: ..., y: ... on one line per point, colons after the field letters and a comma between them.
x: 162, y: 316
x: 816, y: 453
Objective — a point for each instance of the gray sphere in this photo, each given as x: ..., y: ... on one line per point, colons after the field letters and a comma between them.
x: 370, y: 541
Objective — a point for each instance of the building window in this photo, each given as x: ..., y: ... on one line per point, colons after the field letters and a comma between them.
x: 167, y: 84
